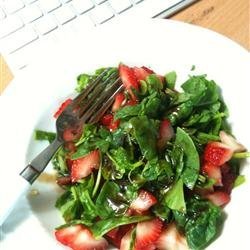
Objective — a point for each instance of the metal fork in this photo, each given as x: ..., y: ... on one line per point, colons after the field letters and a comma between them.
x: 88, y: 107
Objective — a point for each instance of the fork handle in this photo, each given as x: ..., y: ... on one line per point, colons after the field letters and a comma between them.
x: 36, y: 167
x: 23, y: 181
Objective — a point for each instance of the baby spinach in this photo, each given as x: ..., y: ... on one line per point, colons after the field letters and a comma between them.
x: 191, y: 158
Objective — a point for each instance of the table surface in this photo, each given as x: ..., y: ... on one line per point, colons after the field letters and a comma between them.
x: 228, y: 17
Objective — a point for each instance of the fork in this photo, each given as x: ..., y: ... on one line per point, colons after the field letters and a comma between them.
x: 88, y: 107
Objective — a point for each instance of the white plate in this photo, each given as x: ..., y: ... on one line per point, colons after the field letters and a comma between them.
x: 163, y: 45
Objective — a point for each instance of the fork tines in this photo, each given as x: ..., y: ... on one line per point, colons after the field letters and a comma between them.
x: 97, y: 97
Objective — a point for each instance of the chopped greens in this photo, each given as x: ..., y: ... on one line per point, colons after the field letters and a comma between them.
x: 121, y: 176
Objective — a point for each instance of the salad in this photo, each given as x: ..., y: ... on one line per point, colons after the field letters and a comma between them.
x: 155, y: 172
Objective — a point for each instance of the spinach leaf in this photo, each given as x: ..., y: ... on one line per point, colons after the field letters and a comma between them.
x: 121, y: 161
x: 41, y: 135
x: 174, y: 198
x: 202, y: 91
x: 109, y: 201
x: 91, y: 139
x: 191, y: 158
x: 103, y: 226
x: 145, y: 132
x: 200, y: 223
x: 69, y: 207
x: 157, y: 169
x: 171, y: 79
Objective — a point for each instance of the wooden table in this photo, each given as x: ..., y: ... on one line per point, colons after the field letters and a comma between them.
x: 228, y: 17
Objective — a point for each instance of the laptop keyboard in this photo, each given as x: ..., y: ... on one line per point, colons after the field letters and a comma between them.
x: 23, y: 22
x: 26, y: 24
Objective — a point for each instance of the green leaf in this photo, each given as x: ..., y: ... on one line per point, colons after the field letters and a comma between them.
x: 145, y: 132
x: 103, y: 226
x: 109, y: 202
x: 174, y: 198
x: 191, y: 158
x: 153, y: 83
x: 201, y: 223
x: 240, y: 179
x: 202, y: 91
x: 41, y: 135
x: 171, y: 79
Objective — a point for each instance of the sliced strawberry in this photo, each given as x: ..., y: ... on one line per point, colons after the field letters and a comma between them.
x: 64, y: 180
x: 113, y: 233
x: 228, y: 178
x: 109, y: 122
x: 231, y: 142
x: 72, y: 134
x: 67, y: 234
x: 171, y: 239
x: 119, y: 99
x: 114, y: 125
x: 128, y: 79
x: 150, y: 71
x: 62, y: 107
x: 143, y: 201
x: 166, y: 132
x: 126, y: 241
x: 219, y: 198
x: 213, y: 172
x: 131, y: 102
x: 141, y: 73
x: 83, y: 166
x: 84, y: 240
x: 217, y: 153
x: 148, y: 232
x: 107, y: 119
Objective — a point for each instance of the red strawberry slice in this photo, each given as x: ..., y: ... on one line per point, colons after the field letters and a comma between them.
x: 126, y: 241
x: 231, y: 142
x: 143, y: 201
x: 228, y: 178
x: 166, y: 133
x: 150, y: 71
x: 219, y: 198
x: 66, y: 235
x: 128, y: 79
x: 62, y: 107
x: 171, y: 239
x: 148, y: 232
x: 119, y: 100
x: 114, y: 125
x: 107, y: 119
x: 141, y: 73
x: 109, y: 122
x: 84, y: 240
x: 213, y: 172
x: 83, y: 166
x: 217, y: 153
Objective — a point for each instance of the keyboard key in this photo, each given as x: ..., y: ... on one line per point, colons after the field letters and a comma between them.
x: 12, y: 6
x: 30, y: 13
x: 83, y: 22
x: 64, y: 14
x: 138, y: 1
x: 2, y: 14
x: 82, y: 6
x: 99, y: 1
x: 120, y: 5
x: 45, y: 25
x: 9, y: 25
x: 65, y: 1
x: 101, y: 13
x: 19, y: 39
x: 49, y: 5
x: 30, y: 1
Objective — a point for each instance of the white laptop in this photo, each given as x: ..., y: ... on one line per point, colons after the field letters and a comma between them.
x: 28, y: 26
